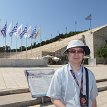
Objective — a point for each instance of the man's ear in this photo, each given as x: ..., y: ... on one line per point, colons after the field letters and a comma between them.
x: 84, y: 53
x: 82, y: 61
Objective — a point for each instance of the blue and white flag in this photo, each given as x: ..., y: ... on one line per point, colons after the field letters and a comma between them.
x: 23, y: 32
x: 29, y: 30
x: 19, y: 30
x: 4, y: 30
x: 33, y: 33
x: 89, y: 17
x: 14, y: 30
x: 9, y: 28
x: 38, y: 33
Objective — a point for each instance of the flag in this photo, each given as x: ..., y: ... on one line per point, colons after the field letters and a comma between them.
x: 9, y: 28
x: 29, y: 30
x: 19, y: 30
x: 14, y: 30
x: 38, y: 33
x: 4, y: 30
x: 23, y: 32
x: 33, y: 33
x: 88, y: 17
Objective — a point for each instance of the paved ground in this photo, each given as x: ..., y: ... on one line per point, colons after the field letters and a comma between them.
x: 101, y: 101
x: 13, y: 78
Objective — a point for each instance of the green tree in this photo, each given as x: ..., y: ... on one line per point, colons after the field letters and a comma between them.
x: 22, y: 47
x: 102, y: 52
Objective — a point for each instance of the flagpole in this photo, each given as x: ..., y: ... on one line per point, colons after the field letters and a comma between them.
x: 75, y: 26
x: 3, y: 32
x: 26, y: 47
x: 21, y: 44
x: 40, y: 47
x: 16, y: 47
x: 28, y: 35
x: 65, y: 30
x: 32, y: 36
x: 31, y: 46
x: 5, y: 47
x: 10, y: 45
x: 90, y: 26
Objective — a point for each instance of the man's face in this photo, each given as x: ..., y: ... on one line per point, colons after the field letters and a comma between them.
x: 75, y: 55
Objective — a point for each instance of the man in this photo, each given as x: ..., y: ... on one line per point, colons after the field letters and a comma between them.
x: 68, y: 86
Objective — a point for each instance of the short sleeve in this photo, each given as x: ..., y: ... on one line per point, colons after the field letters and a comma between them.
x: 54, y: 90
x: 94, y: 90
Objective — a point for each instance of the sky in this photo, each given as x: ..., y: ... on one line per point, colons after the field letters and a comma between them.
x: 52, y: 16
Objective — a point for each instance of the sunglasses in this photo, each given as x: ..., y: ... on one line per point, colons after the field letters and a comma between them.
x: 73, y: 51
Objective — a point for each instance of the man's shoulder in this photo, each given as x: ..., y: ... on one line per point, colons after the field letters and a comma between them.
x: 62, y: 69
x: 89, y: 71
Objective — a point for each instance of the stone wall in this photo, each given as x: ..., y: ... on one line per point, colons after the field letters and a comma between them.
x: 23, y: 62
x: 99, y: 40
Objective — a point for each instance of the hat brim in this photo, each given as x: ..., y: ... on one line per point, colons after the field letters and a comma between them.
x: 85, y: 48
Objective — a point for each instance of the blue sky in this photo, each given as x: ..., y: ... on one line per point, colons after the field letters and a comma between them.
x: 53, y: 16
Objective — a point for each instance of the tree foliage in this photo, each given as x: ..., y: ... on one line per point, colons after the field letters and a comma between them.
x: 102, y: 52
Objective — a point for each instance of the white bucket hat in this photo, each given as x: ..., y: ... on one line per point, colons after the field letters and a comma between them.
x: 78, y: 43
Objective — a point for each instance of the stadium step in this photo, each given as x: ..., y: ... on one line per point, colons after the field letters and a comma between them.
x: 14, y: 91
x: 23, y: 98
